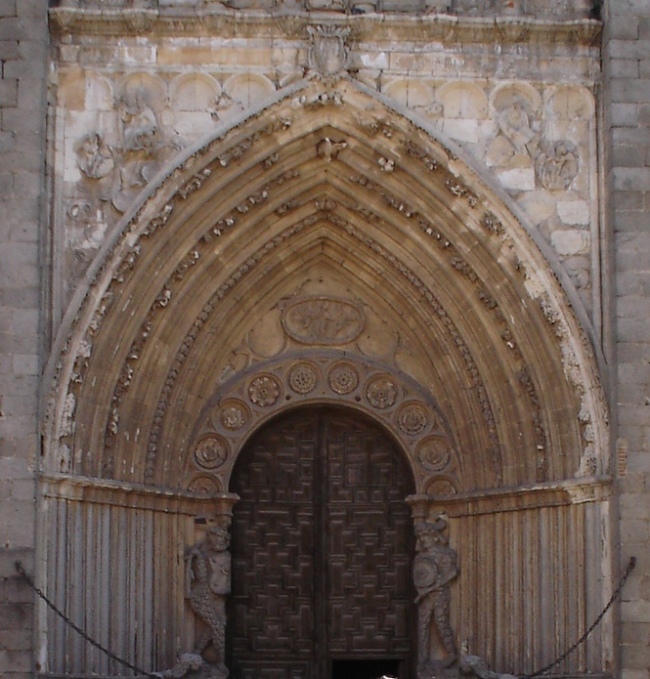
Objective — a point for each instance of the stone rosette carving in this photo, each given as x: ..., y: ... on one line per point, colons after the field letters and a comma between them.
x: 264, y: 390
x: 211, y: 452
x: 343, y: 378
x: 381, y: 392
x: 233, y: 415
x: 303, y: 378
x: 321, y: 377
x: 323, y: 320
x: 412, y: 418
x: 204, y: 484
x: 441, y: 486
x: 434, y: 453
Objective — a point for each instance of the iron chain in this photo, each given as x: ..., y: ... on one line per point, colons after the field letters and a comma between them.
x: 21, y: 571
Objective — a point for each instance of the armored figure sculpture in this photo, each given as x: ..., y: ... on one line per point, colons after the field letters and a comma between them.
x: 207, y: 584
x: 435, y: 566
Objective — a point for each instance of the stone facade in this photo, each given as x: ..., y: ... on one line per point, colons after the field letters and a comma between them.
x: 23, y: 55
x: 626, y: 101
x: 159, y: 112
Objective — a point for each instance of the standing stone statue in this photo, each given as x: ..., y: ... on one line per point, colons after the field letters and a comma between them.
x: 207, y: 568
x: 435, y: 566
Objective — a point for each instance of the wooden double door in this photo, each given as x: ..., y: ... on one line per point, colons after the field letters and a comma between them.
x: 322, y: 552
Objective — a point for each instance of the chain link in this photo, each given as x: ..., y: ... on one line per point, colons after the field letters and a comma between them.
x: 557, y: 661
x: 630, y: 567
x: 21, y: 571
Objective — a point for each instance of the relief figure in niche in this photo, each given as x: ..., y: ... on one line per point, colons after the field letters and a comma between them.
x: 207, y: 570
x: 514, y: 122
x: 94, y: 157
x: 139, y: 124
x: 434, y: 567
x: 517, y: 141
x: 558, y: 166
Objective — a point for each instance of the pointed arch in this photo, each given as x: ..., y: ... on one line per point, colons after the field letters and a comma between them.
x: 327, y: 189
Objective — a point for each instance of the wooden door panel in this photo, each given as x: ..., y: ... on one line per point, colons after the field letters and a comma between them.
x: 321, y: 549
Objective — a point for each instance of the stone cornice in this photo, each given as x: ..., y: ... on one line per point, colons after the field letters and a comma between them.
x: 499, y: 500
x: 124, y: 494
x: 224, y: 23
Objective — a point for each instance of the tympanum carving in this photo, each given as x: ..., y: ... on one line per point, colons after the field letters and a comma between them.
x: 207, y: 569
x: 434, y: 567
x: 323, y: 320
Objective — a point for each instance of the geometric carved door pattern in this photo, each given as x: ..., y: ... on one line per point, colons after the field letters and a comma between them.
x: 322, y: 552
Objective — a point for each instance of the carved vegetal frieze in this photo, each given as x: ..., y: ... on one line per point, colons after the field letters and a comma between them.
x: 253, y: 396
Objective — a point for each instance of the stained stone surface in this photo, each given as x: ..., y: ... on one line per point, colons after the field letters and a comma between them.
x: 515, y: 91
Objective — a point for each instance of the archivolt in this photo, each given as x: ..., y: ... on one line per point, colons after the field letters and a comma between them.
x: 326, y: 192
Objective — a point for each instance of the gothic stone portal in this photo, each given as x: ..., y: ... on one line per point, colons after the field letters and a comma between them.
x: 322, y: 545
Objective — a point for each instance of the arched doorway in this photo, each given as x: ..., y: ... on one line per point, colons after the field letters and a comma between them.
x: 322, y: 550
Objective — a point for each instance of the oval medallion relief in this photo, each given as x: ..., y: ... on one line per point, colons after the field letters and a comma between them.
x: 323, y: 320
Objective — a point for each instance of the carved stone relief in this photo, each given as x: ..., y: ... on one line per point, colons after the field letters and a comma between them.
x: 456, y: 188
x: 434, y: 567
x: 557, y: 8
x: 323, y: 320
x: 208, y: 584
x: 328, y: 53
x: 250, y: 398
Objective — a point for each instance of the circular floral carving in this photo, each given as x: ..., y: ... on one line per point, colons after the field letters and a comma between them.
x: 233, y: 415
x: 381, y: 392
x: 211, y: 451
x: 413, y: 418
x: 264, y: 390
x: 205, y: 485
x: 303, y: 378
x: 434, y: 453
x: 441, y: 485
x: 343, y: 378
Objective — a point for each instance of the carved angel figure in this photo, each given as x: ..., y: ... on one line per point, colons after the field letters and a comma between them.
x: 435, y: 566
x: 207, y: 570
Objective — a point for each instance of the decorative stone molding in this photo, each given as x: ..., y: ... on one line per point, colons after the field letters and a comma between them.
x: 262, y: 392
x: 572, y: 26
x: 139, y: 14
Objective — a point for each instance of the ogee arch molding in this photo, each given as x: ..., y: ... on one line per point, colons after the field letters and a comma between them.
x: 327, y: 193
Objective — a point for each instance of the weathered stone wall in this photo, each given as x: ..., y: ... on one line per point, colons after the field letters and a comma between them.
x: 627, y: 114
x: 23, y: 47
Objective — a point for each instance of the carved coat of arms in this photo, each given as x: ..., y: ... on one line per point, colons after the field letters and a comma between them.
x: 328, y: 54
